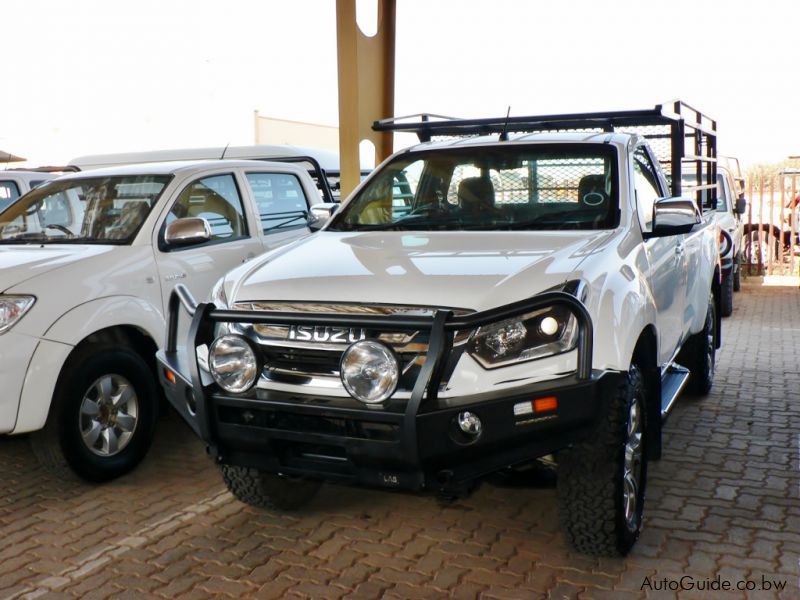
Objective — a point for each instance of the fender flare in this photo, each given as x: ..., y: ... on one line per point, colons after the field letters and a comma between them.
x: 68, y: 331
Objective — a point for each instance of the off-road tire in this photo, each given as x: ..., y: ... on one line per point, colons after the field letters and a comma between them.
x: 59, y: 446
x: 700, y: 354
x: 726, y: 296
x: 737, y: 274
x: 268, y: 490
x: 591, y: 504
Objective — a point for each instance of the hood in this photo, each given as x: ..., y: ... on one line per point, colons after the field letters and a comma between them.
x: 470, y: 270
x: 19, y: 263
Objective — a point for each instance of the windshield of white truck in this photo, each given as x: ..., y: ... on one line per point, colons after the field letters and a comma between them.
x: 536, y: 187
x: 100, y: 210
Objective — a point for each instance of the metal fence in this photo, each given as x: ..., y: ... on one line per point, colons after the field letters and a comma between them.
x: 771, y: 227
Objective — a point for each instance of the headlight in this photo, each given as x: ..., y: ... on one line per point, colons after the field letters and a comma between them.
x: 12, y: 308
x: 369, y: 371
x: 234, y: 363
x: 538, y: 334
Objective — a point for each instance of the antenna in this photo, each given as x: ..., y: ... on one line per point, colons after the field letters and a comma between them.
x: 504, y: 134
x: 224, y: 150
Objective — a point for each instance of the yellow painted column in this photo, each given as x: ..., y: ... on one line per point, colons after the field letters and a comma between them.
x: 366, y: 86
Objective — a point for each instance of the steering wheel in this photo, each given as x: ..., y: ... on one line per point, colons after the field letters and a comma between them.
x: 60, y: 228
x: 33, y: 208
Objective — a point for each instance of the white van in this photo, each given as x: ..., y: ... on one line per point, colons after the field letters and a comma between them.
x: 322, y: 165
x: 15, y: 183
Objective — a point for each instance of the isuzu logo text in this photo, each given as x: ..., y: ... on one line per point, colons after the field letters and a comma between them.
x: 341, y: 335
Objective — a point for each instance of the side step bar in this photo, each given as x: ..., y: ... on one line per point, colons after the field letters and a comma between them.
x: 672, y: 383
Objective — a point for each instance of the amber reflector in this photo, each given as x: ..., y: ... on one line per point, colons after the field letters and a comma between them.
x: 545, y: 404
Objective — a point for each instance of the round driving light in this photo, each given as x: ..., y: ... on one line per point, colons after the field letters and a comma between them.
x: 233, y: 363
x: 548, y: 326
x: 469, y: 423
x: 369, y: 371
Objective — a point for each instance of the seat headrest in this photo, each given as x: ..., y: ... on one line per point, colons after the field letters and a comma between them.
x: 592, y: 191
x: 476, y: 193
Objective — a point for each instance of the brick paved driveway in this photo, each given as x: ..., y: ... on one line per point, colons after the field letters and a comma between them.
x: 724, y: 500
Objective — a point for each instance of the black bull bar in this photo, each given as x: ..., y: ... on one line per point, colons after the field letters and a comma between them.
x: 442, y: 325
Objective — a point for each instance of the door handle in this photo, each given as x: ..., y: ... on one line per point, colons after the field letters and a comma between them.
x: 679, y: 249
x: 248, y: 257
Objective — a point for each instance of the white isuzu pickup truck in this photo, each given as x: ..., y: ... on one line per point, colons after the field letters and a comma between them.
x: 88, y: 263
x: 478, y: 303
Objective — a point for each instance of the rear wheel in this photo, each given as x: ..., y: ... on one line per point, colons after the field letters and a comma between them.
x: 269, y: 490
x: 102, y: 420
x: 737, y: 273
x: 726, y: 298
x: 700, y: 353
x: 760, y: 250
x: 601, y: 481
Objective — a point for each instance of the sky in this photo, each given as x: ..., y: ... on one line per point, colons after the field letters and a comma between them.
x: 87, y: 76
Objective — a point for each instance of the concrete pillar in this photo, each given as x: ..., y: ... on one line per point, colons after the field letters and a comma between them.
x: 366, y: 86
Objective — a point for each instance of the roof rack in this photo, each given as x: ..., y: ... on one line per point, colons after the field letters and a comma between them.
x: 48, y: 169
x: 675, y: 122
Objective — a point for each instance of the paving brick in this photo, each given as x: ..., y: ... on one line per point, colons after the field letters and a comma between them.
x: 723, y: 499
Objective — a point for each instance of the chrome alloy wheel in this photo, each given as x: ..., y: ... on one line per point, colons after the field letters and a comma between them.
x: 632, y: 467
x: 108, y: 415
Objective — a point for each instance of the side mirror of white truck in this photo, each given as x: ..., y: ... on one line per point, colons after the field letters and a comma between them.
x: 321, y: 214
x: 191, y: 230
x: 673, y: 216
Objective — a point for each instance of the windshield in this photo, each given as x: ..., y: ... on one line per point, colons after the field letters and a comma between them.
x: 102, y: 210
x: 541, y: 187
x: 9, y: 192
x: 723, y: 191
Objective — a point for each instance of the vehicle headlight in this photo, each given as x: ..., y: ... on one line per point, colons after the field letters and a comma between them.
x: 234, y: 363
x: 12, y: 308
x: 369, y: 371
x: 535, y: 335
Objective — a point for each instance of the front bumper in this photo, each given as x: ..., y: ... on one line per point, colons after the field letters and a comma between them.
x: 414, y: 444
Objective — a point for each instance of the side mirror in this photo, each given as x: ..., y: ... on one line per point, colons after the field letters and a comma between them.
x: 184, y: 232
x: 673, y: 216
x: 320, y: 214
x: 741, y: 206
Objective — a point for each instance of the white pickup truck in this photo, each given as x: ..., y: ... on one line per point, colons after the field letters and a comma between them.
x: 476, y: 304
x: 15, y: 183
x: 88, y: 263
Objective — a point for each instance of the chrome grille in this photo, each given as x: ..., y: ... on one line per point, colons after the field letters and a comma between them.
x: 295, y: 361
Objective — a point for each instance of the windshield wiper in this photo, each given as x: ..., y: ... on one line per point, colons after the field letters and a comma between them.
x: 556, y: 218
x: 423, y: 220
x: 289, y: 219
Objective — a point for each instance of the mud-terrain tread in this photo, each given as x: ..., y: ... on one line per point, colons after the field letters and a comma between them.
x: 699, y: 362
x: 726, y: 297
x: 268, y: 490
x: 589, y: 496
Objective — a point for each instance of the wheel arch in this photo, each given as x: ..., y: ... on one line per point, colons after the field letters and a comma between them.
x: 129, y: 336
x: 716, y: 292
x: 645, y: 356
x: 36, y: 413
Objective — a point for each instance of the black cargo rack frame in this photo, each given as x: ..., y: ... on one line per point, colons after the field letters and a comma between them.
x: 315, y: 171
x: 683, y: 122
